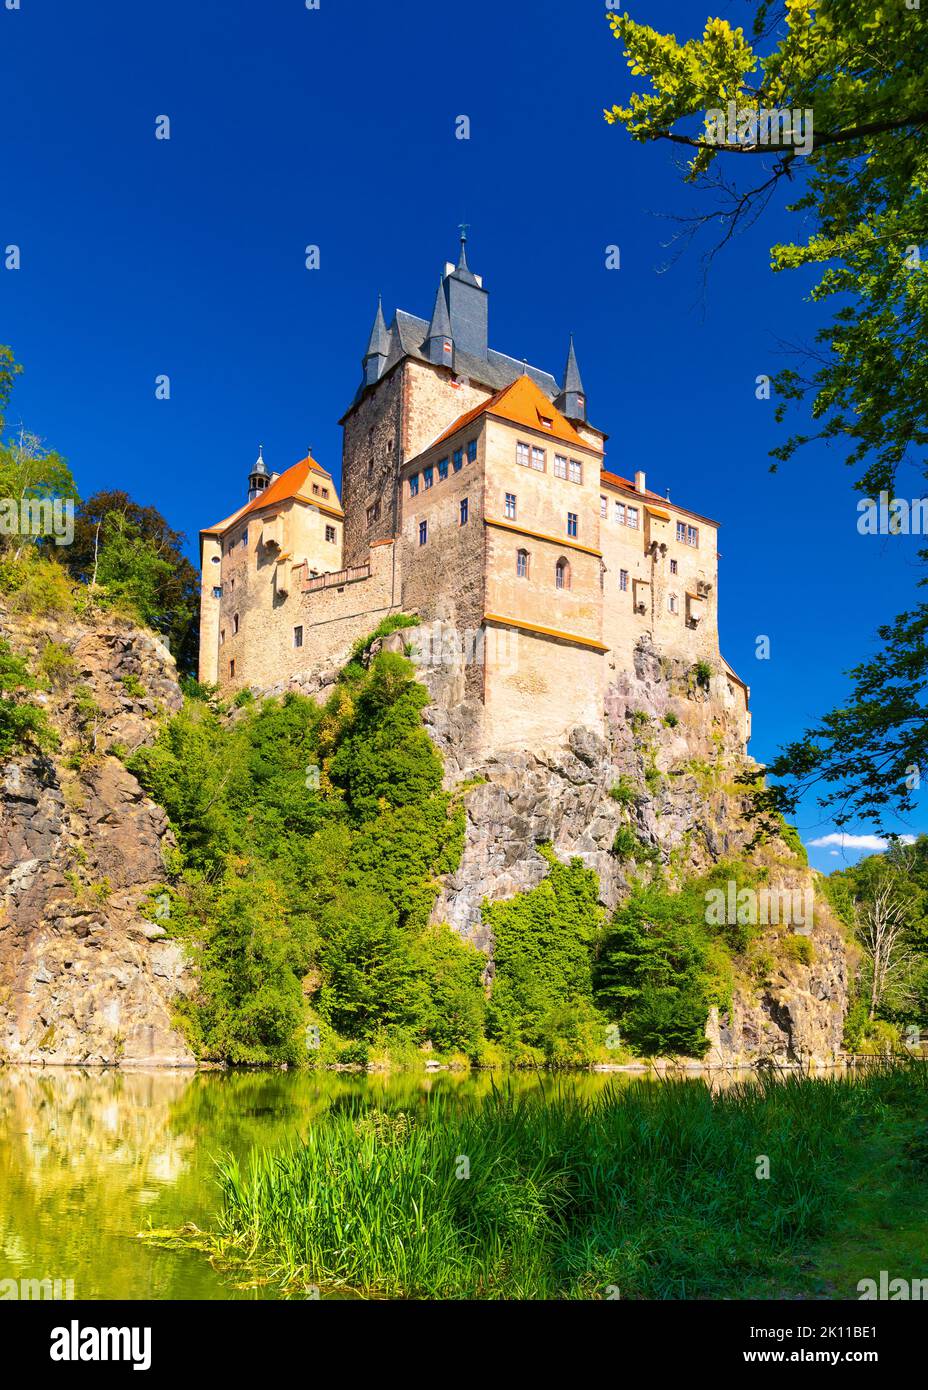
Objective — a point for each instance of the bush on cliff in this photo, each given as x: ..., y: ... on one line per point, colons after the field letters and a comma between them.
x: 311, y: 841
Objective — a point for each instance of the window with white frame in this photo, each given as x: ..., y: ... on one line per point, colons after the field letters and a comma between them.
x: 673, y: 603
x: 538, y: 458
x: 523, y: 455
x: 631, y: 517
x: 560, y: 466
x: 576, y: 471
x: 511, y: 506
x: 603, y: 507
x: 619, y: 513
x: 623, y: 581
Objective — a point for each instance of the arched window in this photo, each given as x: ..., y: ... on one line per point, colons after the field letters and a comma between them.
x: 234, y: 623
x: 522, y: 564
x: 562, y: 574
x: 673, y: 603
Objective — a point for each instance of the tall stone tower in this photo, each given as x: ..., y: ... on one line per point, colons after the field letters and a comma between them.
x: 419, y: 375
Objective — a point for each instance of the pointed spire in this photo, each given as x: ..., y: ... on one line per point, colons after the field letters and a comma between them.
x: 440, y: 327
x: 379, y: 343
x: 378, y: 348
x: 571, y: 400
x: 462, y: 270
x: 572, y: 380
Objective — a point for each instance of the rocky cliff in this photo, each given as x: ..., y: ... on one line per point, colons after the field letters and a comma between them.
x: 85, y: 977
x: 673, y: 747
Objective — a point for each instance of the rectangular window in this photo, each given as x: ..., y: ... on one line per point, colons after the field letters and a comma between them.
x: 316, y: 489
x: 560, y: 466
x: 414, y: 485
x: 232, y: 667
x: 631, y: 517
x: 603, y: 507
x: 692, y: 535
x: 620, y: 513
x: 373, y: 513
x: 442, y: 470
x: 325, y: 492
x: 623, y: 581
x: 681, y: 532
x: 222, y: 636
x: 471, y: 450
x: 423, y: 532
x: 571, y: 523
x: 511, y: 505
x: 330, y: 534
x: 463, y: 511
x: 428, y: 477
x: 672, y: 603
x: 245, y: 536
x: 458, y: 459
x: 576, y: 471
x: 298, y: 636
x: 673, y: 567
x: 538, y: 458
x: 523, y: 455
x: 217, y: 591
x: 522, y: 564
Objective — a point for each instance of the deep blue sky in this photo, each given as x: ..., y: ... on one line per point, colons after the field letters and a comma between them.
x: 336, y: 127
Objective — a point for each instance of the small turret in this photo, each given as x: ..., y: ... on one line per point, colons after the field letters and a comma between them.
x: 439, y: 345
x: 258, y: 478
x: 375, y: 358
x: 571, y: 400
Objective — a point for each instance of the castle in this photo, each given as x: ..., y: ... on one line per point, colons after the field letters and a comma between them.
x: 475, y: 496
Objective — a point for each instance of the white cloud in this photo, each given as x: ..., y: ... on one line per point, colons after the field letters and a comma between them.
x: 875, y: 843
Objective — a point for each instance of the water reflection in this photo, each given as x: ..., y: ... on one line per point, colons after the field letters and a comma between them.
x: 87, y: 1159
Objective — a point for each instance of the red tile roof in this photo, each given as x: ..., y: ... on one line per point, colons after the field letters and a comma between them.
x: 291, y: 483
x: 522, y: 403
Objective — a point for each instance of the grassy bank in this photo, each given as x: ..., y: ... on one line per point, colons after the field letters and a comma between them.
x: 656, y: 1191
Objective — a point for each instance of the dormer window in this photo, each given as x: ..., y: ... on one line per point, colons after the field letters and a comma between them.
x: 546, y: 421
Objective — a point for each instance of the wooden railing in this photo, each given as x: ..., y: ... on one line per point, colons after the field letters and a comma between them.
x: 337, y: 579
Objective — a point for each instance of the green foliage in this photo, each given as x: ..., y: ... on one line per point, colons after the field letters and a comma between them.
x: 651, y: 1189
x: 394, y: 622
x: 23, y: 724
x: 702, y: 674
x: 799, y: 948
x: 652, y: 975
x: 9, y: 371
x: 38, y: 586
x: 56, y: 666
x: 860, y: 196
x: 623, y: 791
x: 131, y: 552
x: 542, y: 954
x: 671, y: 720
x: 311, y: 841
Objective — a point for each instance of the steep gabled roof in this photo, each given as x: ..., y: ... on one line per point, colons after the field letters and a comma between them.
x: 522, y: 403
x: 294, y: 482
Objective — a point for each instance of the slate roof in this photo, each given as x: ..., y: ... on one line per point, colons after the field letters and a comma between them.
x: 408, y: 336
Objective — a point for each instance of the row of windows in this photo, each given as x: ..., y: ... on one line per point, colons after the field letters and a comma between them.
x: 533, y: 456
x: 561, y: 569
x: 622, y: 513
x: 688, y: 535
x: 428, y: 474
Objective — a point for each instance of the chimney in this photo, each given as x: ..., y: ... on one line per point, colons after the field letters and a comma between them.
x: 639, y: 481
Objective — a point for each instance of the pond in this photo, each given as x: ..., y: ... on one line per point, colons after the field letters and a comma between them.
x: 88, y: 1159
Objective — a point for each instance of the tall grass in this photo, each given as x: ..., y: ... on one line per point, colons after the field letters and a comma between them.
x: 651, y: 1191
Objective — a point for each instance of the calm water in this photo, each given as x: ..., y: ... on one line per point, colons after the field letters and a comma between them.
x: 87, y: 1159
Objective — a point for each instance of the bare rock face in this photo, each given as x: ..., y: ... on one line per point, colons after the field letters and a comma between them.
x: 667, y: 773
x: 84, y: 976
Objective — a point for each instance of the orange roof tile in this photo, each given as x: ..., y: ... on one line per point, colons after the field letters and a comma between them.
x: 291, y: 483
x: 522, y: 403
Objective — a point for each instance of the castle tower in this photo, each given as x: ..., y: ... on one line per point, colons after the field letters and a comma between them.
x: 258, y: 478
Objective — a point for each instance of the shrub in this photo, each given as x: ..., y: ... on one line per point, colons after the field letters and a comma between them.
x: 23, y: 725
x: 799, y: 948
x: 56, y: 665
x: 623, y: 791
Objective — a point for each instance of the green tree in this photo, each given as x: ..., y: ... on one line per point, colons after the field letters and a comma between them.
x: 862, y: 70
x: 652, y: 976
x: 132, y: 551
